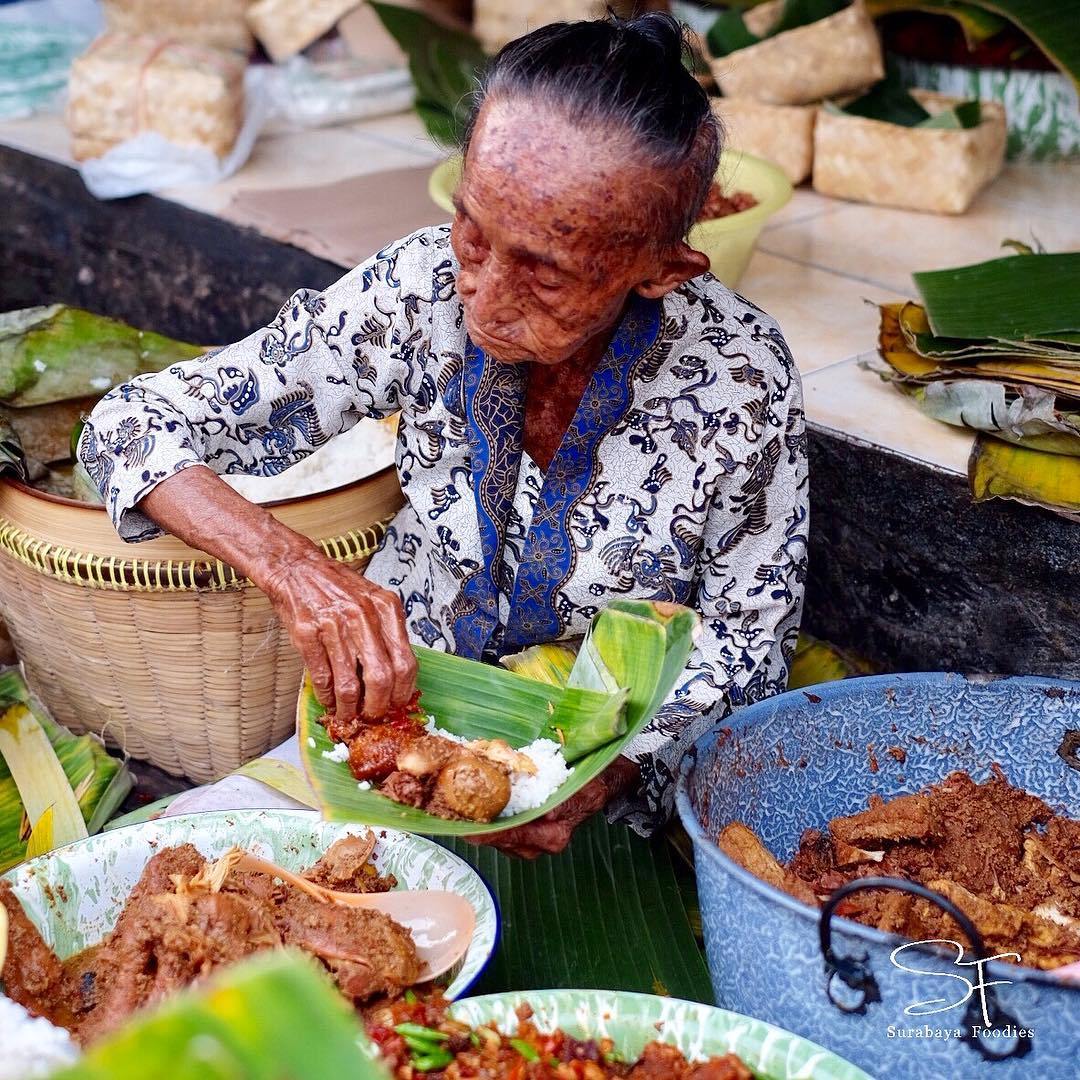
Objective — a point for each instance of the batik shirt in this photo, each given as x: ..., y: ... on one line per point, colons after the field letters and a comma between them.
x: 682, y: 476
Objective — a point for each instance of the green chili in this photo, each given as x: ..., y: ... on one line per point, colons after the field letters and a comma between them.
x: 526, y: 1050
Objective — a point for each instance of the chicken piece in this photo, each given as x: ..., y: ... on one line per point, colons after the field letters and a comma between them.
x: 848, y: 856
x: 470, y: 788
x: 426, y: 756
x: 346, y: 867
x: 32, y: 974
x: 741, y: 844
x: 366, y: 951
x: 374, y: 751
x: 907, y: 817
x: 407, y: 789
x: 504, y: 755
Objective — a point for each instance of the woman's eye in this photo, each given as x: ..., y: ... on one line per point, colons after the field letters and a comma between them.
x: 548, y: 280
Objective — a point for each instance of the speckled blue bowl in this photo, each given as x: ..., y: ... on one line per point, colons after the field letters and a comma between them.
x: 806, y: 756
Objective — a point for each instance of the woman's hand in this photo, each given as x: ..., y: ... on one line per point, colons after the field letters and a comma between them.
x: 550, y: 834
x: 350, y: 632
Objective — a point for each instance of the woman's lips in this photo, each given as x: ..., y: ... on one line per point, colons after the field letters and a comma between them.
x: 499, y: 348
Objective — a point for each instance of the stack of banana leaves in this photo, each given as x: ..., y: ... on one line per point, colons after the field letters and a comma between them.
x: 55, y: 787
x: 55, y: 362
x: 996, y: 347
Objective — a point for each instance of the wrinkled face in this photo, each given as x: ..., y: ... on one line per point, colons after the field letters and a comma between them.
x: 551, y: 231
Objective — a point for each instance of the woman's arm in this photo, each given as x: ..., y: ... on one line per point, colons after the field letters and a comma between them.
x: 349, y: 631
x: 750, y: 599
x: 258, y: 407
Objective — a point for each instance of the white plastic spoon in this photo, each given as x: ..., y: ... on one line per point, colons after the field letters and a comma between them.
x: 441, y: 923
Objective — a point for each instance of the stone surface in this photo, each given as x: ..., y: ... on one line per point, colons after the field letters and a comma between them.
x: 906, y: 570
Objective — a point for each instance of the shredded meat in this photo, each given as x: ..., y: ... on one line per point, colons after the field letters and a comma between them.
x: 1000, y: 854
x: 718, y: 205
x: 186, y: 918
x: 374, y: 750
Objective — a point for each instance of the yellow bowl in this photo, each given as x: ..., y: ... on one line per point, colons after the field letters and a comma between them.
x: 728, y: 241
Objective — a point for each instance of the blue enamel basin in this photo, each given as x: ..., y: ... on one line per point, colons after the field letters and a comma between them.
x: 798, y: 760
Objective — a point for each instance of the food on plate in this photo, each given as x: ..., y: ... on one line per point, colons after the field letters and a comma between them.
x: 416, y: 764
x: 1001, y: 855
x: 419, y: 1038
x: 187, y: 917
x: 718, y: 205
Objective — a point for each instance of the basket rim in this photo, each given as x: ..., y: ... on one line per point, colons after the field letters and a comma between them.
x: 78, y: 504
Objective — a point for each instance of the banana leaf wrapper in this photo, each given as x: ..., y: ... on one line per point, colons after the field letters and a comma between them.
x: 640, y: 648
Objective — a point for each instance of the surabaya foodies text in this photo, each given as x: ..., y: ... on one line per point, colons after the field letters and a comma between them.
x: 1009, y: 1031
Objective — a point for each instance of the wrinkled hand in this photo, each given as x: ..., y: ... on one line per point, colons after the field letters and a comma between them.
x: 350, y: 632
x: 550, y: 834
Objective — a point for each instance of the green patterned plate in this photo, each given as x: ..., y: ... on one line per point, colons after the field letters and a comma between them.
x: 75, y: 894
x: 632, y: 1020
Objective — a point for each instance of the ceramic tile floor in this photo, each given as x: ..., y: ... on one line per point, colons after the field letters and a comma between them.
x: 819, y: 268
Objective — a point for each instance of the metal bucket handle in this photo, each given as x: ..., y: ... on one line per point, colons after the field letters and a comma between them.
x: 855, y: 973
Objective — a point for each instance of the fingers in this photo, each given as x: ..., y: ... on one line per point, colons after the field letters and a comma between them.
x: 342, y: 656
x: 395, y: 636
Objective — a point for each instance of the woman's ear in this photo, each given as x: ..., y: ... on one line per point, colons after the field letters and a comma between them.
x: 679, y: 264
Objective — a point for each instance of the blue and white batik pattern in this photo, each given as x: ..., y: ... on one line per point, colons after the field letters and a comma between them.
x: 681, y: 478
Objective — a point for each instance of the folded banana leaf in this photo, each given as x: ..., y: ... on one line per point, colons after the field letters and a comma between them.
x: 899, y: 341
x: 642, y: 648
x: 43, y: 767
x: 1011, y: 299
x: 58, y: 353
x: 1000, y: 470
x: 273, y: 1017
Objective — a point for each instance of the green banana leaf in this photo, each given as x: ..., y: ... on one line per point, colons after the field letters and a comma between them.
x: 606, y: 913
x: 57, y: 353
x: 1014, y: 298
x: 644, y: 647
x: 100, y: 782
x: 1000, y: 470
x: 730, y: 33
x: 891, y: 103
x: 444, y: 64
x: 273, y: 1017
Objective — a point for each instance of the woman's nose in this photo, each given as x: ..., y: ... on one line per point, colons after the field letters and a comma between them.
x: 491, y: 291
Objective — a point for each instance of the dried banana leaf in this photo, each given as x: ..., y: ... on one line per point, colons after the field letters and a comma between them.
x: 58, y: 353
x: 999, y: 470
x: 1036, y: 418
x: 1012, y: 299
x: 820, y: 662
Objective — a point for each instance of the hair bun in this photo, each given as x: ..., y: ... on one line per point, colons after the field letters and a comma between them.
x: 663, y: 33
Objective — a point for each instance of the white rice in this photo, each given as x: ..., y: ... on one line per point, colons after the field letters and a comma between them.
x: 361, y: 451
x: 527, y: 792
x: 29, y: 1045
x: 339, y: 753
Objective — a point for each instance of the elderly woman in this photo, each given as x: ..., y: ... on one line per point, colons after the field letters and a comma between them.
x: 585, y: 414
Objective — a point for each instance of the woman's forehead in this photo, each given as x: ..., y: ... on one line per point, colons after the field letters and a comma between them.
x: 532, y: 167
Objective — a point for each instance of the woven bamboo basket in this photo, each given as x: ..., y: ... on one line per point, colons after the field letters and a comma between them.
x: 495, y: 22
x: 782, y: 134
x: 936, y: 170
x: 169, y: 655
x: 835, y: 55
